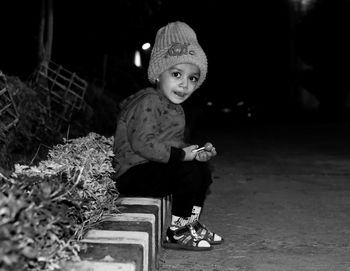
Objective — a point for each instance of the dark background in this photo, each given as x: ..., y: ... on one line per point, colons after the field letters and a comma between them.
x: 268, y: 60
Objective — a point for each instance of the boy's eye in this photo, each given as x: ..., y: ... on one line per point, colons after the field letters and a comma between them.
x: 194, y: 79
x: 176, y: 74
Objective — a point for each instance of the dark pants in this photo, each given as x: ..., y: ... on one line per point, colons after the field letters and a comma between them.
x: 187, y: 182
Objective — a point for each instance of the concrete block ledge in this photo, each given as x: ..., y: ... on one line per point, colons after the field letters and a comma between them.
x: 100, y: 266
x: 142, y: 201
x: 100, y: 237
x: 140, y: 222
x: 128, y: 241
x: 116, y: 253
x: 163, y: 205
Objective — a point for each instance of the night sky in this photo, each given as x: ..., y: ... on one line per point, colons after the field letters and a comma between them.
x: 254, y: 48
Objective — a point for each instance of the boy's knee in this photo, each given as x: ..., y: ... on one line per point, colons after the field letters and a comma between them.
x: 198, y: 174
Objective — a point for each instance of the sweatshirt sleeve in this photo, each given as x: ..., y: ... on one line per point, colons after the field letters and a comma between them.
x: 176, y: 155
x: 143, y: 133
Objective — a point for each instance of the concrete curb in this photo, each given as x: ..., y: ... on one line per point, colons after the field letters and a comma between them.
x: 137, y: 222
x: 131, y: 238
x: 101, y: 266
x: 142, y: 201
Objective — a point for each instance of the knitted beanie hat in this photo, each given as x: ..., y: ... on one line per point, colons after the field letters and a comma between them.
x: 176, y: 43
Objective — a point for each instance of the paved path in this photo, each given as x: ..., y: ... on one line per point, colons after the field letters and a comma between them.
x: 281, y: 199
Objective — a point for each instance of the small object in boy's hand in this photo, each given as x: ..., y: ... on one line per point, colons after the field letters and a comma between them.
x: 208, y: 146
x: 199, y: 149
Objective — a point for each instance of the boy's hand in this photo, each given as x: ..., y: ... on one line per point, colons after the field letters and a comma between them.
x: 206, y: 154
x: 190, y: 154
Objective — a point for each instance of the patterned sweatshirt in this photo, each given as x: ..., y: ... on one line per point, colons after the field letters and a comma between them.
x: 149, y: 128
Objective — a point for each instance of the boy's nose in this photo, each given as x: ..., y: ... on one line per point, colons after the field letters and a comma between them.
x: 184, y: 83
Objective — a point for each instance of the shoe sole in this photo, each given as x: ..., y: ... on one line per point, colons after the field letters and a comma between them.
x: 182, y: 247
x: 216, y: 242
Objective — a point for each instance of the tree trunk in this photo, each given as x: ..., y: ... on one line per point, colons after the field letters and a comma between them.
x: 46, y: 32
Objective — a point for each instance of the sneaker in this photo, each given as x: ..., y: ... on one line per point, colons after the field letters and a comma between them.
x: 206, y: 234
x: 185, y: 238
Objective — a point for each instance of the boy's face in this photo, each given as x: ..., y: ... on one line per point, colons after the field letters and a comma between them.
x: 178, y: 82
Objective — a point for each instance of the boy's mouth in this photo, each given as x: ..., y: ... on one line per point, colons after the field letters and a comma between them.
x: 180, y: 94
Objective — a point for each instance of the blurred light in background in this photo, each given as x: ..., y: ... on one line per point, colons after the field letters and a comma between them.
x: 137, y: 59
x: 304, y: 5
x: 146, y: 46
x: 226, y: 110
x: 240, y: 103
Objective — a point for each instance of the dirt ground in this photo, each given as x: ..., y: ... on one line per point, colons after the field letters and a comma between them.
x: 280, y: 198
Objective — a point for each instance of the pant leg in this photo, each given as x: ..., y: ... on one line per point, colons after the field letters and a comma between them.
x: 187, y: 182
x: 194, y: 179
x: 146, y: 180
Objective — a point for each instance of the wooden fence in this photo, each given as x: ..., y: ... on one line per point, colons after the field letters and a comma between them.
x: 60, y: 91
x: 8, y: 113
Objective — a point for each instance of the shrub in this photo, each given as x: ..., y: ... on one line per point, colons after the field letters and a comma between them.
x: 46, y: 209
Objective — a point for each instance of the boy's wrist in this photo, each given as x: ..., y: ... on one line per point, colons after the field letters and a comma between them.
x: 176, y: 155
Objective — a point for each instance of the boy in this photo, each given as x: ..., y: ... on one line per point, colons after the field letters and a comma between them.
x: 152, y: 159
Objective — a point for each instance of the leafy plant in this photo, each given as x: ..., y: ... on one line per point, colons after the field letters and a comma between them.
x: 36, y: 230
x: 46, y: 209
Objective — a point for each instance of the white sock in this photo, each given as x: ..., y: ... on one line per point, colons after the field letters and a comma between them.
x: 178, y: 221
x: 196, y: 211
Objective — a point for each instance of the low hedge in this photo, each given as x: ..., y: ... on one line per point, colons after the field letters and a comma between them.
x: 46, y: 209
